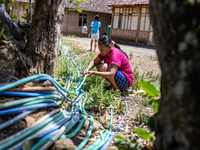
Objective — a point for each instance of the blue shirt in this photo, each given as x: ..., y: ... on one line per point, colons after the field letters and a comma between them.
x: 95, y: 27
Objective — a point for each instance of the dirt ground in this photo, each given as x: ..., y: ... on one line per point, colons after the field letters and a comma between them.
x: 142, y: 58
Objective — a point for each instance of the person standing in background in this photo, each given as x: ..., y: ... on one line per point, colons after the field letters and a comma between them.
x: 95, y: 32
x: 84, y: 31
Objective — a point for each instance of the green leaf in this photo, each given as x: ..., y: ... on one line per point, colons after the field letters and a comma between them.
x: 14, y: 1
x: 133, y: 145
x: 7, y: 45
x: 142, y: 92
x: 14, y: 17
x: 122, y: 148
x: 156, y: 106
x: 4, y: 36
x: 129, y: 139
x: 95, y: 97
x: 6, y: 2
x: 85, y: 1
x: 156, y: 84
x: 119, y: 137
x: 143, y: 133
x: 119, y: 141
x: 150, y: 123
x: 79, y: 10
x: 29, y: 144
x: 27, y: 5
x: 70, y: 1
x: 151, y: 102
x: 149, y: 88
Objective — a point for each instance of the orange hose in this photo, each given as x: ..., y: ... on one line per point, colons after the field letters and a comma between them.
x: 39, y: 88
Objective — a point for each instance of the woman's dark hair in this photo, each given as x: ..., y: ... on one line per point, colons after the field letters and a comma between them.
x: 104, y: 39
x: 96, y: 17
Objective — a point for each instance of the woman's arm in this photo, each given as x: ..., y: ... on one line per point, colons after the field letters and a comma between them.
x: 93, y: 63
x: 112, y: 69
x: 108, y: 75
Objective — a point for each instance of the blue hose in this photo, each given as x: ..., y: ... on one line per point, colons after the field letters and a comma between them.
x: 26, y: 100
x: 56, y: 86
x: 21, y: 94
x: 113, y: 133
x: 56, y: 127
x: 13, y: 110
x: 10, y: 122
x: 54, y: 132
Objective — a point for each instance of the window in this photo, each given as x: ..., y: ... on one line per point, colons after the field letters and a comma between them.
x: 82, y: 19
x: 144, y: 23
x: 125, y: 18
x: 134, y: 19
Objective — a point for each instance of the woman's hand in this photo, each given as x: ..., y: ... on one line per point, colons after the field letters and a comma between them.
x: 89, y: 73
x: 86, y: 71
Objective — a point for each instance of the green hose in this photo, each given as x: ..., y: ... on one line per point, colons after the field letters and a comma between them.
x: 49, y: 140
x: 22, y: 81
x: 31, y: 131
x: 43, y: 130
x: 75, y: 131
x: 39, y: 101
x: 33, y: 77
x: 84, y: 142
x: 25, y: 100
x: 40, y: 143
x: 95, y: 144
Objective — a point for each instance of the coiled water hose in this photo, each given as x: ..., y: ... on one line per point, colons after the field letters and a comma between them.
x: 56, y: 124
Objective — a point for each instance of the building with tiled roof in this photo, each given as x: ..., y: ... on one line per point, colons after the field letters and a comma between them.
x: 127, y: 2
x: 89, y: 10
x: 130, y: 21
x: 74, y: 20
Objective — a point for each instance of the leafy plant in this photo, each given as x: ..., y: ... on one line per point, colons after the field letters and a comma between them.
x: 129, y: 143
x: 26, y: 16
x: 141, y: 117
x: 151, y: 94
x: 14, y: 18
x: 74, y: 6
x: 144, y: 134
x: 136, y: 83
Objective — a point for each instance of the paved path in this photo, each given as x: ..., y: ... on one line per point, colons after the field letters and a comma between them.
x: 126, y: 48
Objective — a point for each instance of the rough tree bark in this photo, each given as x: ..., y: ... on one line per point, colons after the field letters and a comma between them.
x: 176, y: 26
x: 43, y: 42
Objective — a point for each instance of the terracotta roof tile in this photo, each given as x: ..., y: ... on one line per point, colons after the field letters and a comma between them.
x: 94, y: 6
x: 126, y: 2
x: 26, y: 1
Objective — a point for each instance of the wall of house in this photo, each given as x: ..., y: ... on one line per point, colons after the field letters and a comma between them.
x: 64, y: 24
x: 71, y: 21
x: 123, y: 35
x: 19, y: 9
x: 131, y: 24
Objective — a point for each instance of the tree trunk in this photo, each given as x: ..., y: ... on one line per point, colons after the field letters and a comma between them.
x: 43, y: 42
x: 176, y: 26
